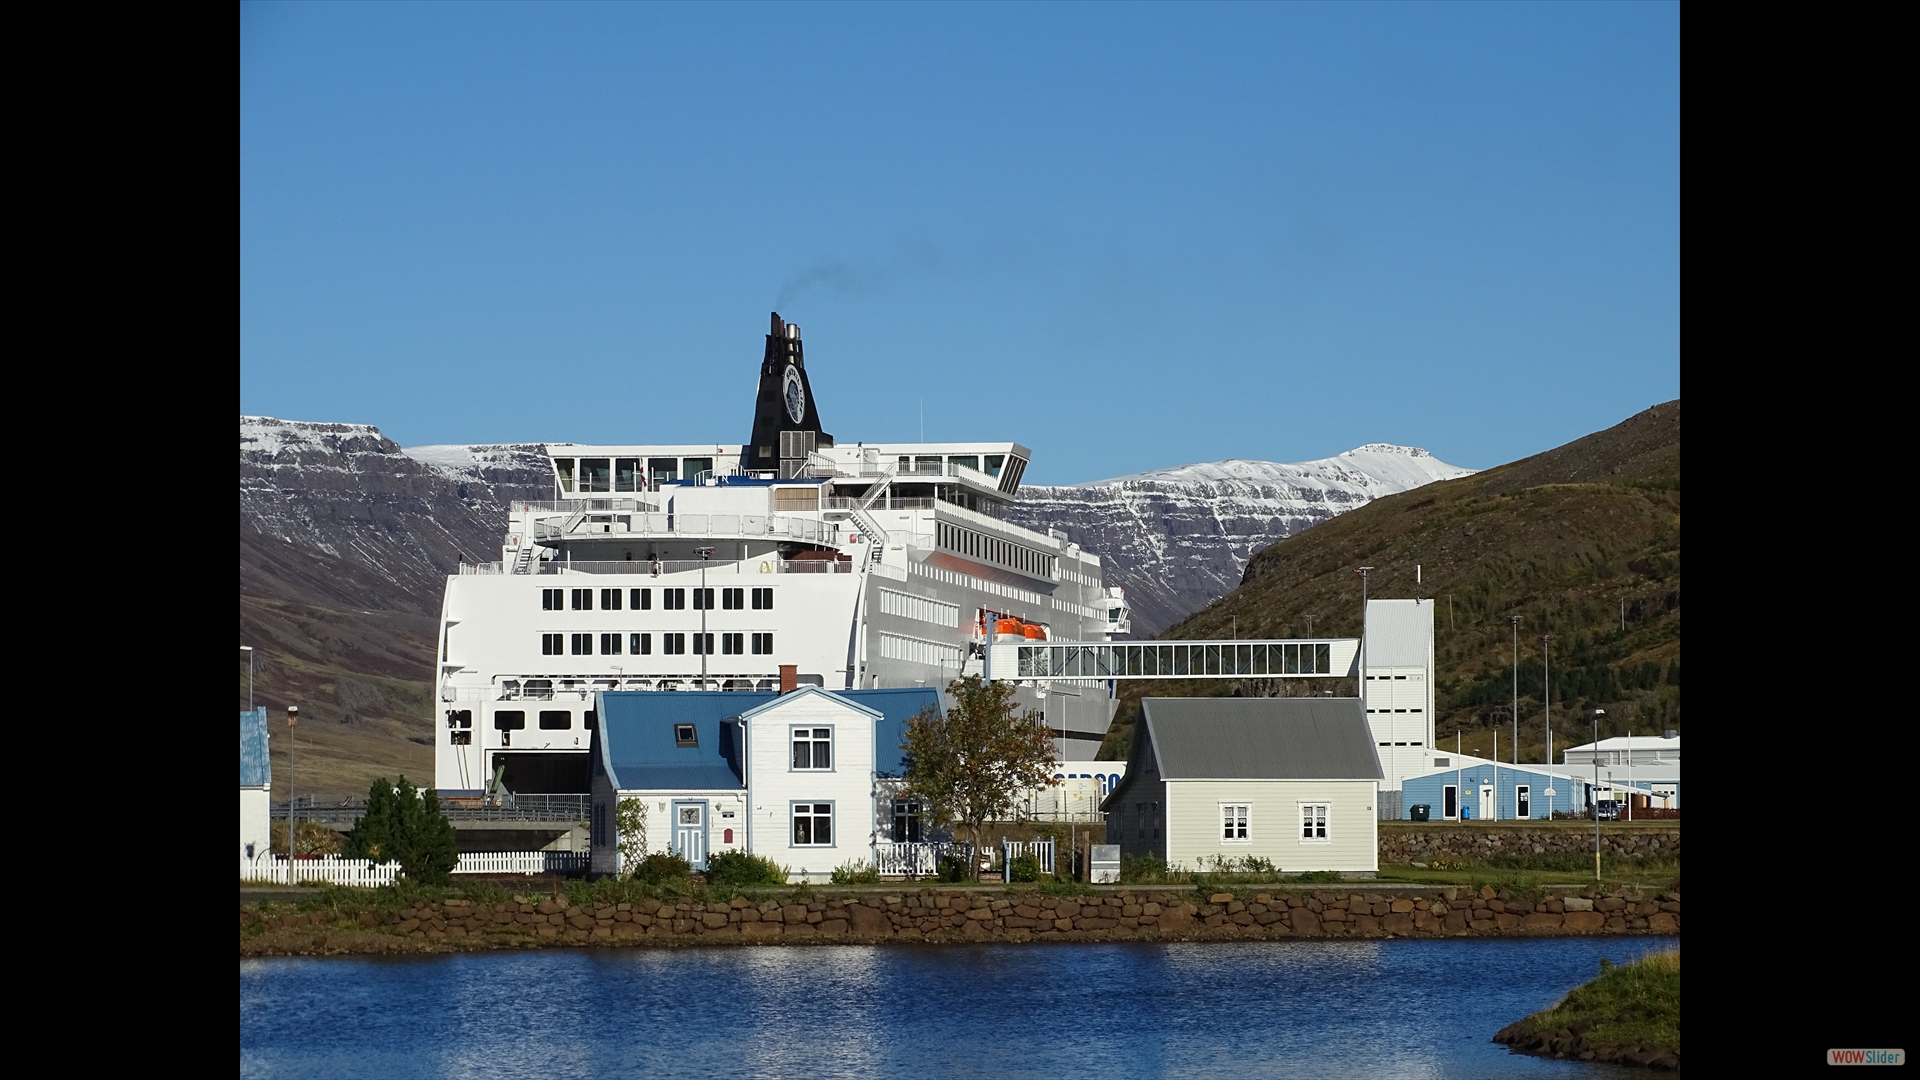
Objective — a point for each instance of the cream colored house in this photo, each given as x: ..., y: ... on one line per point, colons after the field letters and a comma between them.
x: 1293, y: 781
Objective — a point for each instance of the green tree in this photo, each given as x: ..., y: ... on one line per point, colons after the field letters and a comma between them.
x: 405, y: 824
x: 970, y: 765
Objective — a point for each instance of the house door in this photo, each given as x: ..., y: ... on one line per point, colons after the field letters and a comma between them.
x: 1487, y: 812
x: 690, y: 833
x: 1522, y: 801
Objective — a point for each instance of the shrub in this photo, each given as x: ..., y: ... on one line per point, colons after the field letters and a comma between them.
x: 1143, y: 870
x: 1023, y: 868
x: 955, y: 868
x: 856, y: 872
x: 661, y: 868
x: 737, y: 868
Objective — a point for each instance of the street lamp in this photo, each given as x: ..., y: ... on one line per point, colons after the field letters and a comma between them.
x: 1597, y: 714
x: 704, y: 553
x: 293, y: 717
x: 248, y: 649
x: 1546, y: 692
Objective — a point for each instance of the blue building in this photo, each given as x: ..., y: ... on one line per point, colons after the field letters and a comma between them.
x: 1475, y: 789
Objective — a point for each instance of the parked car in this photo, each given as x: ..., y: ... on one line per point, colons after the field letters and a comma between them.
x: 1608, y: 809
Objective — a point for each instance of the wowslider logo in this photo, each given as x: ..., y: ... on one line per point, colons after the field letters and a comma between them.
x: 1866, y: 1057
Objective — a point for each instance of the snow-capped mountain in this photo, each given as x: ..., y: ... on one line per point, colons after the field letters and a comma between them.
x: 372, y: 511
x: 389, y: 523
x: 1178, y: 539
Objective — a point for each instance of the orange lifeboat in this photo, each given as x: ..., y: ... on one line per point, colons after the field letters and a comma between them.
x: 1010, y: 630
x: 1035, y: 632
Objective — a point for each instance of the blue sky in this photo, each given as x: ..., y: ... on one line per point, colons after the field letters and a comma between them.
x: 1127, y: 235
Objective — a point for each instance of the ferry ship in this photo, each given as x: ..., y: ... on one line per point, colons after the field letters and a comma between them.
x: 714, y: 566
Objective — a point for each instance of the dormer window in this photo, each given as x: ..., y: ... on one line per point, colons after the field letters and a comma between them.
x: 684, y: 735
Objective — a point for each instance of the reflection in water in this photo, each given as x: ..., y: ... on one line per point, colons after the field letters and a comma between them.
x: 1282, y: 1009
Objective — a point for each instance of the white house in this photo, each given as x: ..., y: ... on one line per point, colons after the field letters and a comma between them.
x: 256, y: 781
x: 1289, y: 780
x: 804, y: 778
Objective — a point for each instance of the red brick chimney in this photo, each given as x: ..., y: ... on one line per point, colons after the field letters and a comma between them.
x: 789, y: 678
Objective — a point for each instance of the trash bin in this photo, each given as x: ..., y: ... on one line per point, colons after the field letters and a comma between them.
x: 1466, y: 813
x: 1420, y: 811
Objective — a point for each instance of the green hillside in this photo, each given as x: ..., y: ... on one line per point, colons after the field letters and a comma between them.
x: 1582, y: 542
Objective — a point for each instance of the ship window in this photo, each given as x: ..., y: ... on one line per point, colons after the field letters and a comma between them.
x: 807, y: 498
x: 685, y: 735
x: 641, y: 600
x: 673, y: 599
x: 640, y: 644
x: 763, y: 644
x: 610, y: 599
x: 733, y: 599
x: 692, y: 467
x: 593, y: 720
x: 971, y: 461
x: 513, y: 720
x: 703, y: 644
x: 763, y: 599
x: 583, y: 599
x: 703, y: 599
x: 673, y: 644
x: 556, y: 720
x: 994, y: 462
x: 626, y: 474
x: 552, y: 644
x: 732, y: 644
x: 553, y: 600
x: 460, y: 718
x: 596, y: 474
x: 610, y: 644
x: 662, y: 469
x: 582, y: 644
x: 564, y: 466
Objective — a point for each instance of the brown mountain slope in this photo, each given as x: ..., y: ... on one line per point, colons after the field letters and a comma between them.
x: 1582, y: 541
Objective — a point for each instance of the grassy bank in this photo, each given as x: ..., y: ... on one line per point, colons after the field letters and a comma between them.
x: 1629, y: 1014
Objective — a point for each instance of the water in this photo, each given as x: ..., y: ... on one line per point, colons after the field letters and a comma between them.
x: 1396, y: 1008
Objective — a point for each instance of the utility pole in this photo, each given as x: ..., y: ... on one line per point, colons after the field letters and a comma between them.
x: 704, y: 554
x: 293, y: 717
x: 1516, y: 690
x: 1546, y: 691
x: 1597, y: 714
x: 248, y: 649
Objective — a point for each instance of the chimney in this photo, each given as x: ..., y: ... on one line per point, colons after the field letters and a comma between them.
x: 789, y: 678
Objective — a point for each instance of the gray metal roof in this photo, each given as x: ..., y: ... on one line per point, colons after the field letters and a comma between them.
x: 1260, y: 739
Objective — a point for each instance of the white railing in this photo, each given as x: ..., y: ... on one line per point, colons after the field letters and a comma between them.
x: 751, y: 526
x: 1014, y: 849
x: 837, y: 565
x: 595, y: 504
x: 915, y: 860
x: 366, y: 873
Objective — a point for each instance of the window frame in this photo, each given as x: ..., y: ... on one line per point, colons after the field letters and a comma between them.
x: 580, y: 599
x: 813, y: 815
x: 580, y: 644
x: 610, y: 644
x: 811, y: 740
x: 610, y: 599
x: 1323, y: 819
x: 673, y: 644
x: 733, y: 599
x: 1233, y: 815
x: 517, y: 723
x: 563, y: 714
x: 763, y: 643
x: 640, y: 600
x: 763, y: 598
x: 553, y: 599
x: 553, y: 644
x: 733, y: 644
x: 639, y: 644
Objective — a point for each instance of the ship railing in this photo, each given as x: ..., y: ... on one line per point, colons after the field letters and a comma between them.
x: 841, y: 502
x: 722, y: 526
x: 651, y: 568
x: 593, y: 505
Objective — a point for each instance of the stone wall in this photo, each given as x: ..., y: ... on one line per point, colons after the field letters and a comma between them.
x: 1409, y: 842
x: 962, y: 915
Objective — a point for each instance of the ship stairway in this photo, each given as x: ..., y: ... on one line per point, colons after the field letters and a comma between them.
x: 523, y: 562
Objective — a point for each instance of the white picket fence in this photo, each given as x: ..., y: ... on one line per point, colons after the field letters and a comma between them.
x: 1013, y: 849
x: 914, y: 860
x: 367, y: 873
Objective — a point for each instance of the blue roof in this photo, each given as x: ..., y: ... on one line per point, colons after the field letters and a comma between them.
x: 255, y: 769
x: 894, y: 705
x: 636, y: 746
